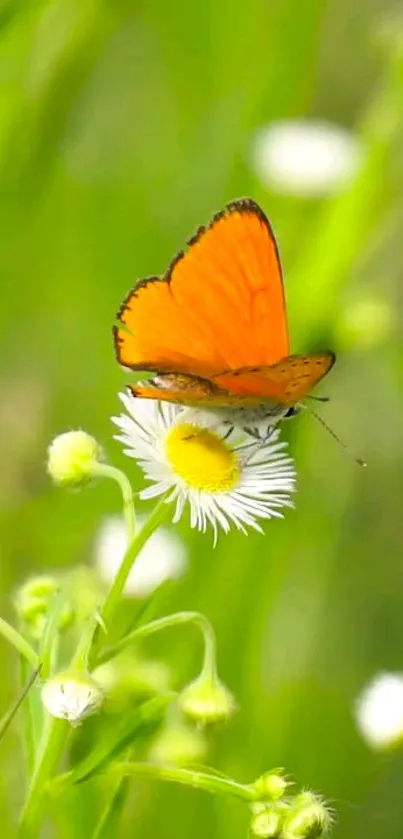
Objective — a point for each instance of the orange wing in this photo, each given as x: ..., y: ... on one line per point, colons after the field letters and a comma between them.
x: 283, y: 383
x: 288, y: 381
x: 220, y: 306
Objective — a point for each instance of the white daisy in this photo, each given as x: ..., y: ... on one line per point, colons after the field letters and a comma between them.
x: 163, y: 557
x: 224, y: 479
x: 379, y: 711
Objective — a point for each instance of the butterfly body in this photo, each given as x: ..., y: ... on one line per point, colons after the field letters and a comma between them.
x: 257, y: 417
x: 213, y: 329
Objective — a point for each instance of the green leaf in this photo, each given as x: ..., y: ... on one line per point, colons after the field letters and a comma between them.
x: 116, y: 738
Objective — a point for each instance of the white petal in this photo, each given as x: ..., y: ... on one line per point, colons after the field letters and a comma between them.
x: 267, y: 475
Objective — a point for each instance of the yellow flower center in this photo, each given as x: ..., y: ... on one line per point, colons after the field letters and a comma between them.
x: 201, y: 458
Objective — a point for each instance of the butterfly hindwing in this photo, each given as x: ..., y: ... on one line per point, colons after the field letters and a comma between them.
x: 286, y: 382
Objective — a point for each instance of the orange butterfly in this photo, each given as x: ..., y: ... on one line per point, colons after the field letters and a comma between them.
x: 214, y: 327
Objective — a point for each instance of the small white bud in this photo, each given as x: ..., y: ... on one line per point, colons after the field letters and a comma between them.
x: 72, y: 696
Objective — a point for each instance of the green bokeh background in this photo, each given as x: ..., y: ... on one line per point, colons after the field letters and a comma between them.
x: 123, y: 125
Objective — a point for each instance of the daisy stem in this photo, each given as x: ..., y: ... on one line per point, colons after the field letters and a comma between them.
x: 197, y: 780
x: 18, y: 641
x: 115, y: 592
x: 177, y: 619
x: 106, y: 471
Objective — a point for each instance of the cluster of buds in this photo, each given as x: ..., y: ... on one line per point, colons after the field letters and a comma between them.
x: 277, y: 816
x: 74, y: 459
x: 33, y: 601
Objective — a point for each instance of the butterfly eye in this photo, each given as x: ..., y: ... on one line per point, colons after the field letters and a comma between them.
x: 293, y: 411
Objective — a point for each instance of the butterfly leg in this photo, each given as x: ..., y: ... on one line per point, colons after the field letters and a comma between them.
x: 225, y: 437
x: 261, y: 434
x: 253, y: 432
x: 229, y: 432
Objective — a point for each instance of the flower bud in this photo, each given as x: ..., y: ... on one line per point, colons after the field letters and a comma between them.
x: 127, y: 679
x: 307, y: 818
x: 271, y: 785
x: 267, y: 822
x: 207, y: 700
x: 178, y: 744
x: 72, y: 696
x: 72, y: 458
x: 33, y: 601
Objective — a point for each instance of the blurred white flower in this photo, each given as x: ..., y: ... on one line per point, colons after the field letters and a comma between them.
x: 163, y: 557
x: 365, y: 323
x: 304, y: 157
x: 379, y: 710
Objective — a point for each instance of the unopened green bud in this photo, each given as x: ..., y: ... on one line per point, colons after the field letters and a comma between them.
x: 72, y: 458
x: 267, y: 823
x: 271, y: 785
x: 307, y: 818
x: 207, y: 700
x: 128, y: 678
x: 178, y: 744
x: 33, y: 601
x: 72, y: 696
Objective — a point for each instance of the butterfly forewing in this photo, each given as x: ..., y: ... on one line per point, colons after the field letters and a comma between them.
x: 219, y: 307
x: 214, y: 326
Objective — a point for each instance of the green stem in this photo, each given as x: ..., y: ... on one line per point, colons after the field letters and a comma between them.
x: 197, y: 780
x: 80, y: 659
x: 18, y: 641
x: 115, y: 593
x: 50, y: 640
x: 104, y: 470
x: 113, y: 807
x: 7, y: 719
x: 168, y: 621
x: 52, y: 742
x: 29, y: 719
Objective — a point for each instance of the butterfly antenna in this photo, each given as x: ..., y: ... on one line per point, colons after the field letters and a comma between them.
x: 319, y: 398
x: 333, y: 434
